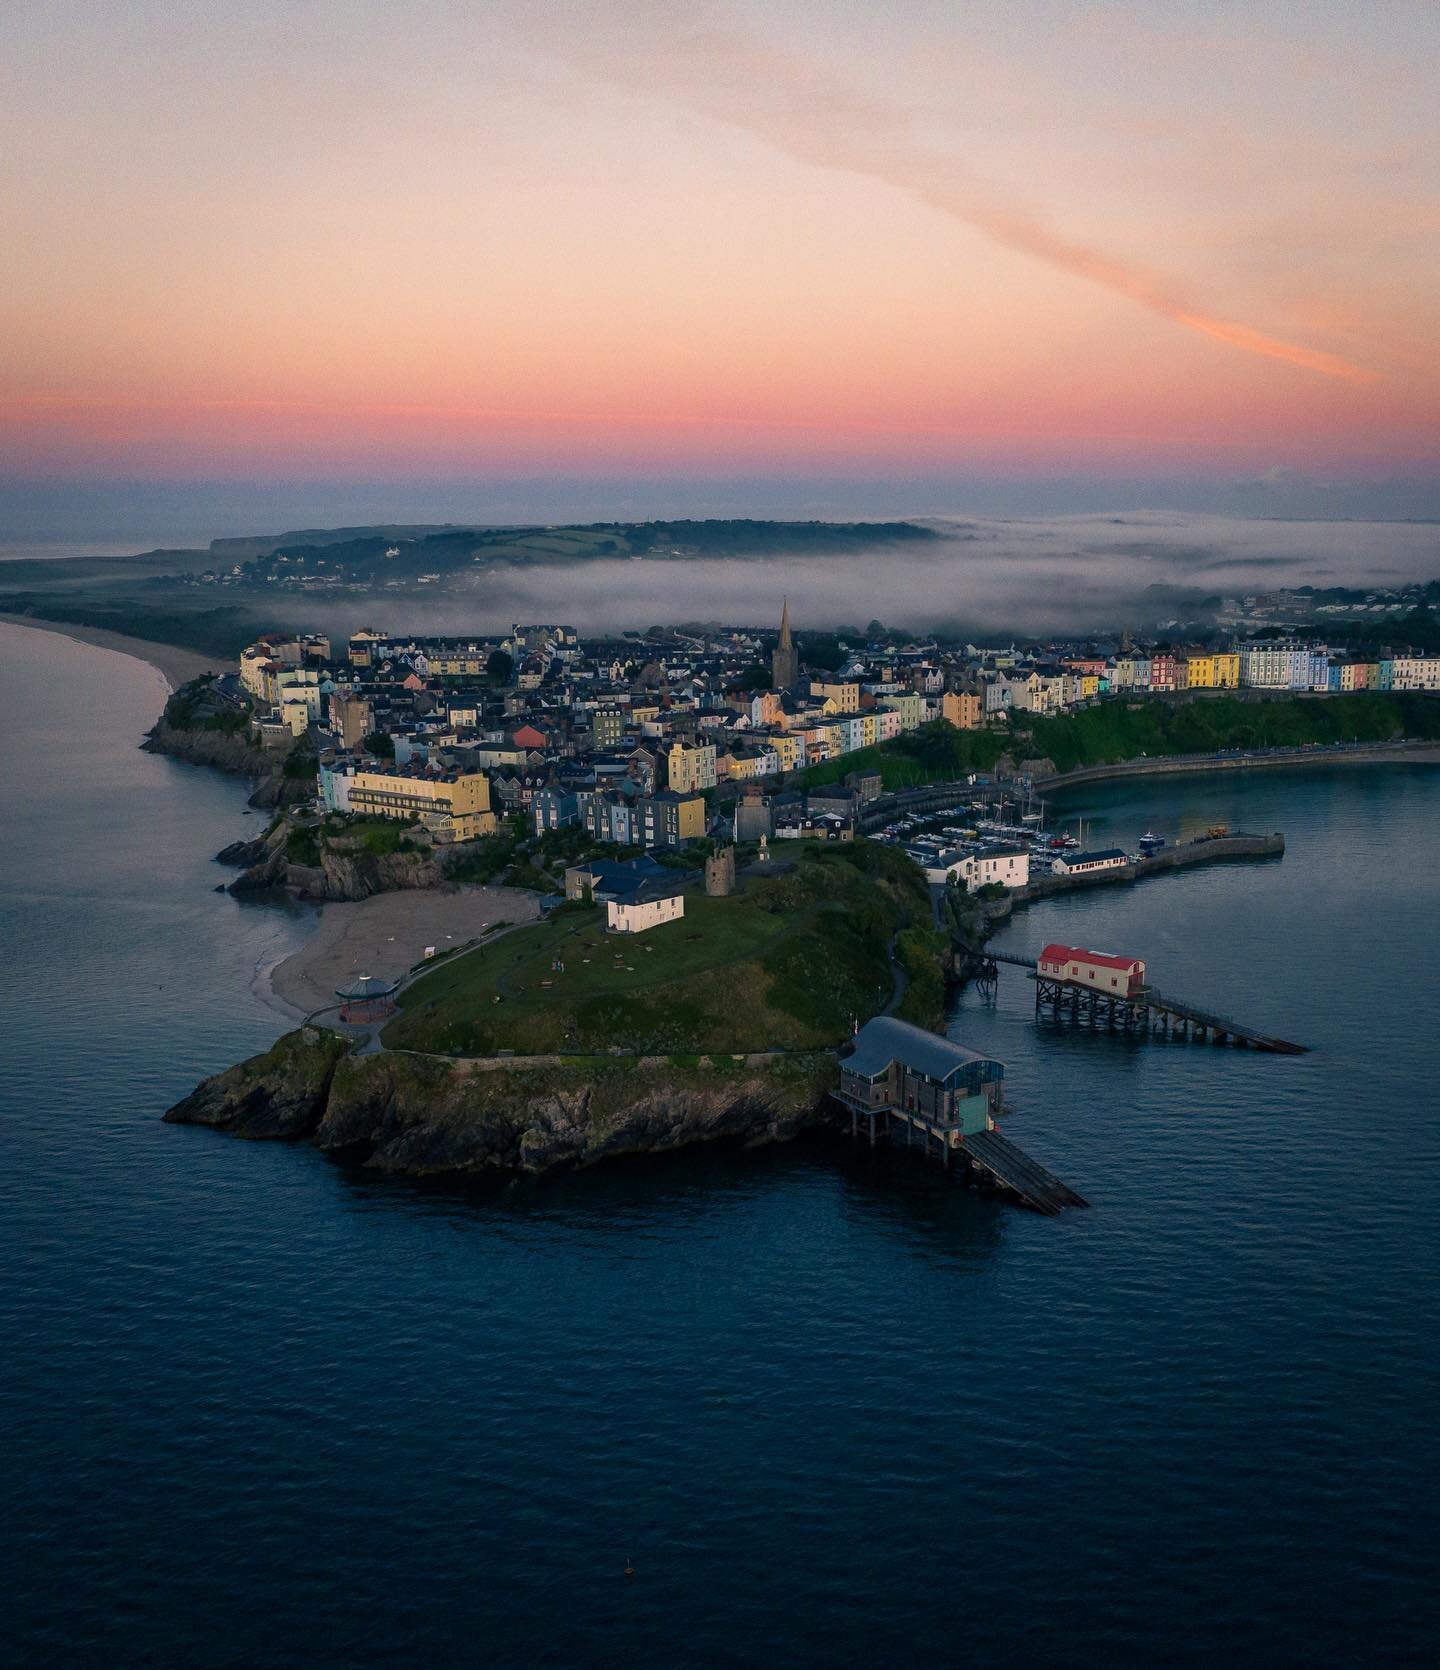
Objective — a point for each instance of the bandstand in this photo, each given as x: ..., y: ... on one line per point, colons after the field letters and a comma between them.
x: 369, y: 999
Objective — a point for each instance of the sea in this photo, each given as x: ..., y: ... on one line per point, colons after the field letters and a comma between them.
x: 808, y: 1406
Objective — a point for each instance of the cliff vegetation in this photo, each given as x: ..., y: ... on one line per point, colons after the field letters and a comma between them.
x: 1115, y: 730
x: 423, y: 1116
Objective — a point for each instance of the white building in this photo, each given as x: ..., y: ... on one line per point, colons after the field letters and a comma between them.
x: 299, y: 697
x: 1415, y: 672
x: 1284, y: 666
x: 644, y: 906
x: 1088, y: 863
x: 1007, y: 866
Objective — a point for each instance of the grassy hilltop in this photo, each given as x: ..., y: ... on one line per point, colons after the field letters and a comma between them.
x: 786, y: 964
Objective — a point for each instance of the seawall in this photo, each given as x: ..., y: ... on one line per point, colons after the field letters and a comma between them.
x: 1206, y: 850
x: 928, y: 797
x: 1179, y: 765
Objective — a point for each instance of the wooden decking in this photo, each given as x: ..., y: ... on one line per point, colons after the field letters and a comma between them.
x: 1012, y: 1167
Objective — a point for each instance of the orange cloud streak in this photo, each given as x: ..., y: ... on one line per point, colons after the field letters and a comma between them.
x: 817, y: 120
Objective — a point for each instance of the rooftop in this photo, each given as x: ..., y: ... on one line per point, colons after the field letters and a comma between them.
x: 885, y: 1039
x: 1075, y: 953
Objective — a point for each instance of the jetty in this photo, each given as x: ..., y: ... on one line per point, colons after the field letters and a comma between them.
x: 1147, y: 1010
x: 1104, y: 992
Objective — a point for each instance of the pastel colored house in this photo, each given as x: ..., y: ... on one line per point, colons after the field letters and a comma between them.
x: 1099, y: 971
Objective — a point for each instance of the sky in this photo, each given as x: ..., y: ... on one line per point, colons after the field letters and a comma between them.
x: 842, y: 255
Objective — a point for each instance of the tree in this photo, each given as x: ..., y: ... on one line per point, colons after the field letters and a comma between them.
x: 822, y: 650
x: 500, y: 668
x: 381, y: 744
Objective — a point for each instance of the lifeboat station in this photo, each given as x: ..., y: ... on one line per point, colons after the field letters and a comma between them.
x: 899, y: 1078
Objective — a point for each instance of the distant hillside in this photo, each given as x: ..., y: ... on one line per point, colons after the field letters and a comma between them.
x: 381, y: 554
x: 243, y: 548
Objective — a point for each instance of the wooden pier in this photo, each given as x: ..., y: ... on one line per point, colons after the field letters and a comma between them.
x: 1148, y: 1012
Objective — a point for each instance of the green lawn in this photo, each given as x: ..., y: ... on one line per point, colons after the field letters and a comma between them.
x: 786, y: 964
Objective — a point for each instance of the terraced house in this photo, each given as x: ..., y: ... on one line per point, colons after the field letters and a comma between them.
x: 454, y: 805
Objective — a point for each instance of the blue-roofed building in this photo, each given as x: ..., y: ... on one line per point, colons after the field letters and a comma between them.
x: 900, y: 1077
x: 1087, y: 863
x: 897, y: 1067
x: 603, y: 877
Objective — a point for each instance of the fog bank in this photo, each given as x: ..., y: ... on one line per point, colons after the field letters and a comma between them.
x: 1033, y: 576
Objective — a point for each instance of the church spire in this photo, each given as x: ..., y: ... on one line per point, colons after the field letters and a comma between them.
x: 785, y: 658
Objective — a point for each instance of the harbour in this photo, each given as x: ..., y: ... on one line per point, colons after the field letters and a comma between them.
x: 780, y: 1326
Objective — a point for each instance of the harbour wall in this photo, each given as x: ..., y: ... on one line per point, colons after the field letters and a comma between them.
x: 1217, y: 849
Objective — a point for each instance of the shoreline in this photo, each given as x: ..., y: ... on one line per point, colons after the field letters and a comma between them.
x: 175, y: 665
x: 1180, y: 765
x: 385, y: 935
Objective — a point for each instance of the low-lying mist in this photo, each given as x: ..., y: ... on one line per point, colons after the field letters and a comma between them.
x: 1028, y: 577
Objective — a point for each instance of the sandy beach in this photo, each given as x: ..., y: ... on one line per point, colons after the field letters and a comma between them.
x: 176, y: 665
x: 386, y: 936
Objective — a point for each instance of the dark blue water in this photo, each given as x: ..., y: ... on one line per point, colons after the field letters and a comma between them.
x: 261, y: 1408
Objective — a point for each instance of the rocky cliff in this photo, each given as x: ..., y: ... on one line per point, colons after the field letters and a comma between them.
x: 233, y: 752
x: 340, y: 873
x: 424, y: 1114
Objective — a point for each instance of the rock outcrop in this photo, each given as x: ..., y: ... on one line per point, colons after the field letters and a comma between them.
x: 282, y: 1093
x: 424, y: 1115
x: 340, y: 874
x: 243, y: 854
x: 235, y: 753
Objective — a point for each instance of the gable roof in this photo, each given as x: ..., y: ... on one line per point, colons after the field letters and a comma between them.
x: 622, y: 869
x: 1077, y: 954
x: 646, y: 889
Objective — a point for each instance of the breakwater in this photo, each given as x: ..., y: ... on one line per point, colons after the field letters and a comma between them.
x: 1206, y: 849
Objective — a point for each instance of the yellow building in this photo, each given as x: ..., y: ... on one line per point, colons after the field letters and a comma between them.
x: 458, y: 663
x: 743, y: 767
x: 690, y: 768
x: 788, y: 747
x: 846, y: 697
x: 258, y: 672
x: 962, y: 709
x: 297, y: 695
x: 870, y: 732
x: 455, y: 805
x: 364, y: 650
x: 1217, y: 671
